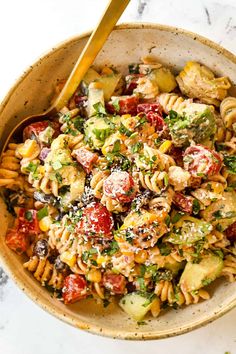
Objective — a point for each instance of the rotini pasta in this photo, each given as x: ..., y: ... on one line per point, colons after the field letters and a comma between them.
x: 44, y: 272
x: 172, y: 101
x: 228, y: 111
x: 154, y: 182
x: 9, y: 167
x: 128, y: 192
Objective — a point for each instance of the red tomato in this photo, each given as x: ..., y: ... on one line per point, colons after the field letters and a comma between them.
x: 27, y: 221
x: 177, y: 154
x: 86, y: 158
x: 32, y: 131
x: 183, y: 202
x: 231, y: 232
x: 132, y: 83
x: 123, y: 105
x: 120, y: 186
x: 115, y: 283
x: 17, y: 241
x: 96, y: 221
x: 202, y: 161
x: 153, y: 113
x: 149, y: 107
x: 74, y: 289
x: 80, y: 100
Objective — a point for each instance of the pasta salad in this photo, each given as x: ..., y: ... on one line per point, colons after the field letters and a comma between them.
x: 128, y: 194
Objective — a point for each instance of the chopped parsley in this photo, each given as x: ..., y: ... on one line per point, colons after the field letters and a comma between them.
x: 177, y: 217
x: 58, y: 177
x: 136, y: 147
x: 116, y: 104
x: 78, y: 123
x: 206, y: 282
x: 112, y: 249
x: 42, y: 213
x: 102, y: 134
x: 116, y: 146
x: 219, y: 214
x: 99, y: 109
x: 141, y: 283
x: 124, y: 130
x: 165, y: 248
x: 196, y: 206
x: 133, y: 68
x: 28, y: 215
x: 86, y: 255
x: 230, y: 163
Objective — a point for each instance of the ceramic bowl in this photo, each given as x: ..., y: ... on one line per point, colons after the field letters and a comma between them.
x: 32, y: 93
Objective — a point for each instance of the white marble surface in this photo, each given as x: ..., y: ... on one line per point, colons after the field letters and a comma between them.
x: 29, y: 28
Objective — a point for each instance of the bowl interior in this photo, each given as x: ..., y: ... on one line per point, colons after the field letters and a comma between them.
x: 32, y: 94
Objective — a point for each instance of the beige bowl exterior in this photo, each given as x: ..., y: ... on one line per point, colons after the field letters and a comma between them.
x: 31, y: 94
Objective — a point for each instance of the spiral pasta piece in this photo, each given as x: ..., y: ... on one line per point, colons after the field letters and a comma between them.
x: 155, y: 182
x: 217, y: 239
x: 96, y: 182
x: 61, y: 239
x: 163, y: 201
x: 165, y: 291
x: 186, y: 298
x: 231, y: 146
x: 112, y: 204
x: 44, y: 272
x: 172, y: 101
x: 229, y: 268
x: 228, y: 111
x: 10, y: 167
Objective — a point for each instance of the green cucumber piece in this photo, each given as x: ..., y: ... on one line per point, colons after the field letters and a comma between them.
x: 135, y: 305
x: 222, y: 211
x: 197, y: 275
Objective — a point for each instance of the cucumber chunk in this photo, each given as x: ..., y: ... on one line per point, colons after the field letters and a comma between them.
x: 90, y: 76
x: 97, y: 129
x: 95, y: 95
x: 135, y: 305
x: 197, y: 275
x: 164, y: 79
x: 109, y: 83
x: 188, y: 230
x: 222, y: 211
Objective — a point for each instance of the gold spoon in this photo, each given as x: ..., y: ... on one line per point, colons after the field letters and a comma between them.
x: 96, y: 41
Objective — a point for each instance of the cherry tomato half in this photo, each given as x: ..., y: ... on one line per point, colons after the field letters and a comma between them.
x: 115, y: 283
x: 96, y: 221
x: 183, y: 202
x: 32, y: 131
x: 74, y: 289
x: 86, y: 158
x: 231, y: 232
x: 120, y: 186
x: 201, y: 161
x: 27, y: 221
x: 17, y: 241
x: 123, y: 105
x: 153, y: 113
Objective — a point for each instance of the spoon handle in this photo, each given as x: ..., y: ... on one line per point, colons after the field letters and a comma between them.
x: 96, y: 41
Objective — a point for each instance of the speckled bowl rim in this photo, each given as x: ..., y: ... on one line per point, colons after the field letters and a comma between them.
x: 85, y: 325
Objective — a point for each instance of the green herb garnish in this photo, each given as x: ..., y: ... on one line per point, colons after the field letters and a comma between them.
x: 28, y: 215
x: 42, y: 213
